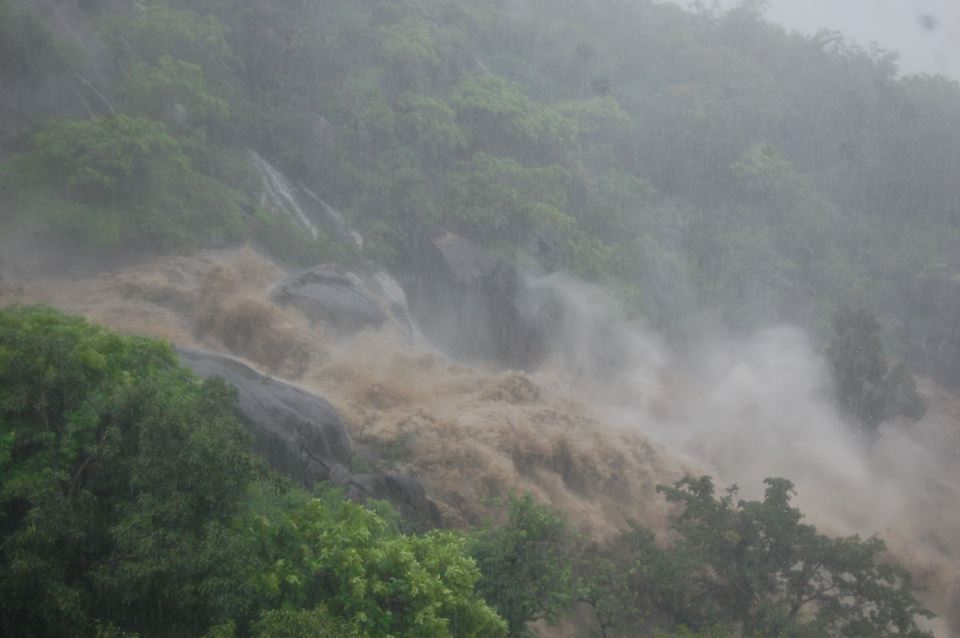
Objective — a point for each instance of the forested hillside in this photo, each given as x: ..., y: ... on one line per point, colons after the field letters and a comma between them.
x: 711, y: 165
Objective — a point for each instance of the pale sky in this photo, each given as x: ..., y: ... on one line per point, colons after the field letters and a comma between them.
x: 926, y: 33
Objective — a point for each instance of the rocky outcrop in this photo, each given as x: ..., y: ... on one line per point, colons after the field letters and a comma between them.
x: 345, y: 301
x: 301, y: 436
x: 474, y: 304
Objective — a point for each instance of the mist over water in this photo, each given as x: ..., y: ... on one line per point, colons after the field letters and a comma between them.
x: 743, y: 408
x: 746, y: 408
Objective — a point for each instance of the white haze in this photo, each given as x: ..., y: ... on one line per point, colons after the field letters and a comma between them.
x: 745, y: 408
x: 925, y: 33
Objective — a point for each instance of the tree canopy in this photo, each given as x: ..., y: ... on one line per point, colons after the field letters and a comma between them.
x: 866, y: 387
x: 131, y: 504
x: 757, y: 564
x: 651, y: 148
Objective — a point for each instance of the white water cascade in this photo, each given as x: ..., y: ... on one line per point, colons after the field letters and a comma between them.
x: 96, y: 92
x: 278, y: 194
x: 335, y: 217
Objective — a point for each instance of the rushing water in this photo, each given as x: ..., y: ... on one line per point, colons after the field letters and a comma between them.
x: 592, y: 444
x: 277, y: 194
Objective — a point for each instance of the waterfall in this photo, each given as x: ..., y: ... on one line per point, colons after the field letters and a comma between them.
x: 93, y: 88
x: 278, y: 194
x: 336, y: 218
x: 86, y: 107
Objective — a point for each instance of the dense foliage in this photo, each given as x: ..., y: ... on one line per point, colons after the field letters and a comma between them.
x: 755, y: 563
x: 729, y: 564
x: 751, y: 565
x: 130, y: 503
x: 703, y: 161
x: 866, y: 386
x: 119, y: 477
x: 526, y: 564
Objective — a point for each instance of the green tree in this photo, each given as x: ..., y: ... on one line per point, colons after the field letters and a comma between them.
x: 755, y: 563
x: 767, y: 177
x: 500, y: 118
x: 382, y: 582
x: 429, y: 124
x: 304, y: 623
x: 117, y: 183
x: 409, y: 54
x: 147, y: 36
x: 119, y: 473
x: 107, y: 159
x: 495, y: 198
x: 175, y: 92
x: 130, y: 504
x: 605, y: 585
x: 865, y: 386
x: 526, y: 564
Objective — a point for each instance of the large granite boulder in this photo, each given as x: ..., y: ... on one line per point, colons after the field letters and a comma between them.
x: 344, y: 300
x: 474, y: 304
x: 301, y: 436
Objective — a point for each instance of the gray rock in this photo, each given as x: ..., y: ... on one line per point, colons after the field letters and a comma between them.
x: 403, y: 492
x: 301, y: 436
x: 345, y: 300
x: 473, y: 304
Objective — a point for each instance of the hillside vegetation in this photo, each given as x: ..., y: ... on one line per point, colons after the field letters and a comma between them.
x: 708, y: 164
x: 131, y: 505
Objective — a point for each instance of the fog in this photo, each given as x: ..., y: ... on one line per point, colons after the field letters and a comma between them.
x: 924, y: 33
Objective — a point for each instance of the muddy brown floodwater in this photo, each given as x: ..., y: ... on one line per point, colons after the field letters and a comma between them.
x: 740, y: 410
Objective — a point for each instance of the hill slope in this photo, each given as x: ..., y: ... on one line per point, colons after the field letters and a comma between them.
x: 710, y: 165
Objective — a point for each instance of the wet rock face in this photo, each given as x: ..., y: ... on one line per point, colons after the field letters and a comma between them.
x: 472, y: 303
x: 301, y: 436
x: 344, y: 300
x: 475, y: 305
x: 403, y: 492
